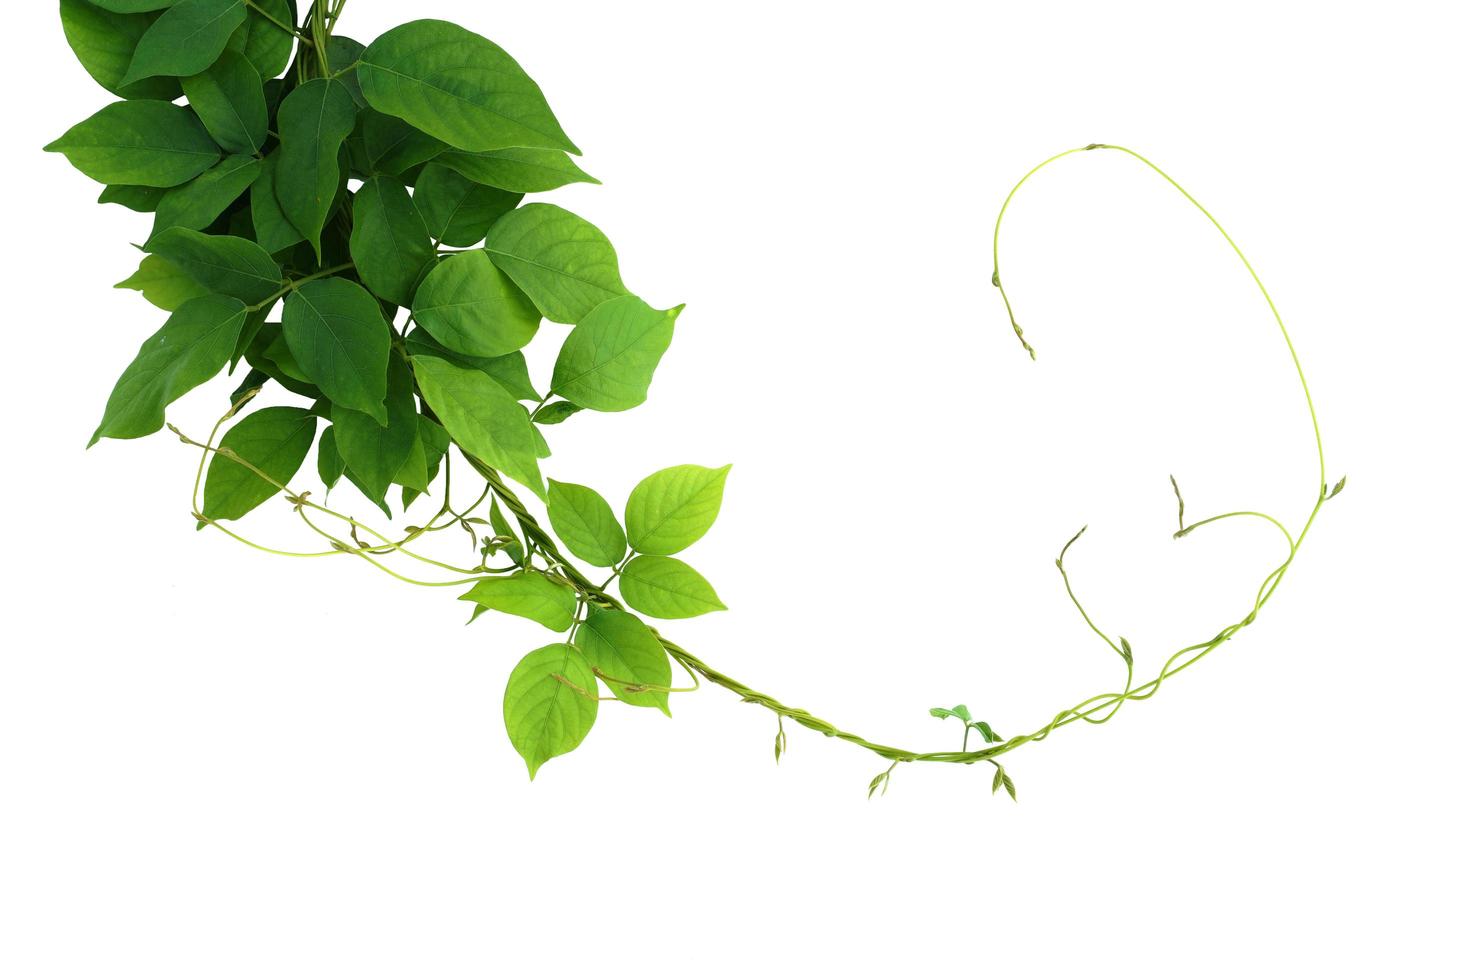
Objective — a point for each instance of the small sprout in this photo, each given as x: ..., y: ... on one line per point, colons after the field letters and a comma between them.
x: 1336, y: 489
x: 1127, y: 650
x: 1179, y: 497
x: 958, y: 711
x: 880, y: 781
x: 780, y: 739
x: 1002, y: 779
x: 963, y: 714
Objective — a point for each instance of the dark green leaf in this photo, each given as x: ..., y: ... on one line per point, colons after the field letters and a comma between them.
x: 342, y: 55
x: 666, y: 588
x: 133, y: 6
x: 104, y: 42
x: 163, y: 284
x: 457, y: 211
x: 223, y: 263
x: 336, y: 330
x: 483, y: 418
x: 521, y: 168
x: 628, y: 655
x: 673, y: 508
x: 607, y: 361
x: 313, y: 121
x: 457, y: 87
x: 141, y: 199
x: 473, y: 308
x: 190, y: 349
x: 528, y: 594
x: 229, y: 98
x: 274, y: 441
x: 265, y: 44
x: 273, y: 229
x: 186, y: 39
x: 390, y: 244
x: 144, y: 142
x: 550, y: 703
x: 509, y: 371
x: 329, y: 462
x: 391, y: 146
x: 585, y: 523
x: 374, y: 453
x: 199, y: 202
x: 561, y: 261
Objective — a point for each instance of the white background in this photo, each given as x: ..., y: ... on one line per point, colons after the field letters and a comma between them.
x: 216, y: 763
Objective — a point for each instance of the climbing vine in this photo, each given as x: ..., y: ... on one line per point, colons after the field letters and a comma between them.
x: 345, y: 224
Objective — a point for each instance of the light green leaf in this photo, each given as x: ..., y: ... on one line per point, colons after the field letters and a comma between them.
x: 666, y: 588
x: 607, y: 361
x: 336, y: 331
x: 186, y: 39
x: 263, y: 43
x: 585, y: 523
x: 273, y: 229
x: 628, y: 655
x: 528, y: 594
x: 389, y: 241
x: 457, y: 211
x: 313, y: 121
x: 561, y: 261
x: 144, y: 142
x: 555, y: 413
x: 509, y: 371
x: 502, y: 528
x: 191, y: 347
x: 197, y: 203
x: 483, y: 418
x: 104, y: 42
x: 222, y: 263
x: 229, y: 98
x: 550, y: 703
x: 457, y: 87
x: 673, y: 508
x: 958, y: 711
x: 473, y: 308
x: 274, y: 441
x: 520, y: 168
x: 162, y: 283
x: 329, y: 463
x: 374, y: 453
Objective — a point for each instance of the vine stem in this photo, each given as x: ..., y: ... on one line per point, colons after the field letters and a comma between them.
x: 1107, y: 703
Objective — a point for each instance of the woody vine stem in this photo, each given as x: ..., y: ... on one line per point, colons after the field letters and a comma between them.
x: 1093, y: 710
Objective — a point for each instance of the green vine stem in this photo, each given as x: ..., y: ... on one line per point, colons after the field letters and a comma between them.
x: 1096, y: 709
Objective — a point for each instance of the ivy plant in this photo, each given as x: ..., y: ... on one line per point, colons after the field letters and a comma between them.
x: 344, y: 223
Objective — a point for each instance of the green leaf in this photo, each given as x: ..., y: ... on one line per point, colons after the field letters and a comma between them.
x: 374, y: 453
x: 199, y: 202
x: 585, y: 523
x: 329, y: 463
x: 483, y: 418
x: 509, y: 371
x: 336, y: 330
x: 133, y: 6
x: 528, y: 594
x: 522, y: 168
x: 457, y: 87
x: 673, y: 508
x: 144, y: 142
x: 313, y: 121
x: 561, y: 261
x: 502, y: 528
x: 222, y: 263
x: 391, y: 146
x: 104, y: 42
x: 626, y: 652
x: 545, y: 715
x: 555, y: 413
x: 162, y: 283
x: 229, y: 98
x: 666, y: 588
x: 389, y: 243
x: 274, y: 441
x: 134, y: 198
x: 607, y: 361
x: 273, y: 229
x: 457, y: 211
x: 958, y: 711
x: 186, y: 39
x: 190, y: 349
x: 265, y: 44
x: 986, y: 732
x: 473, y: 308
x: 1002, y: 779
x: 422, y: 466
x: 342, y: 55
